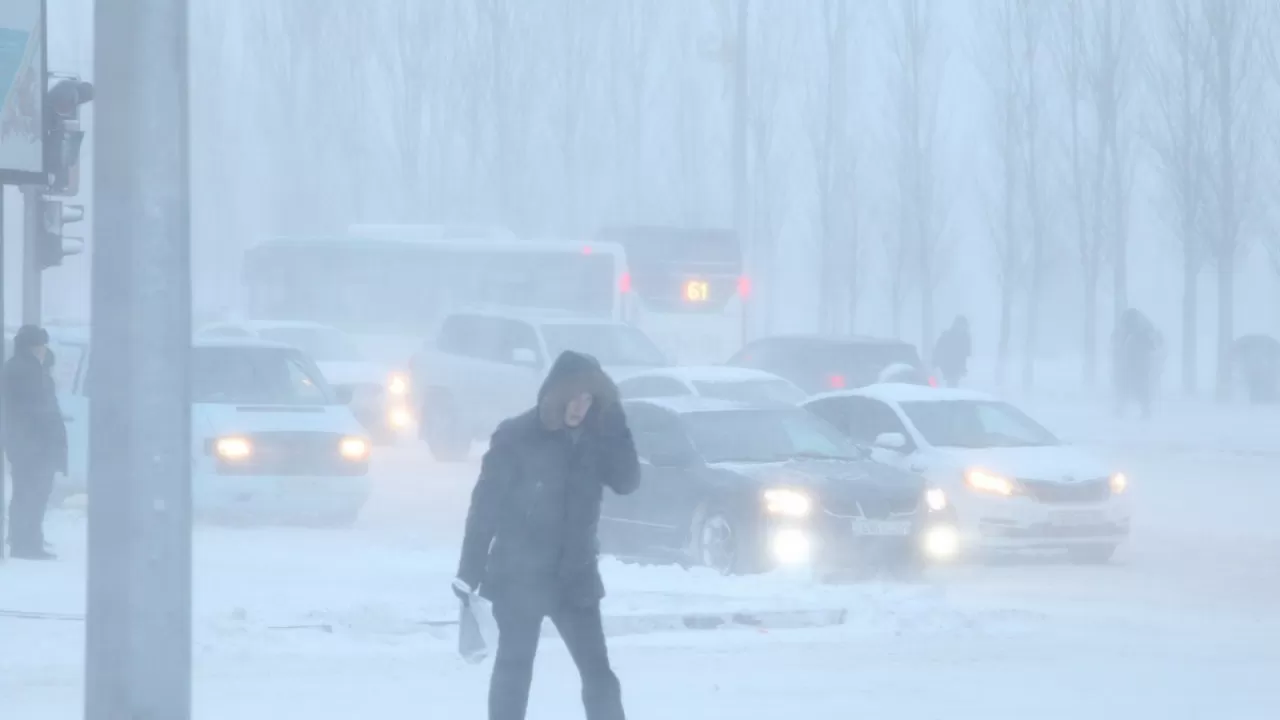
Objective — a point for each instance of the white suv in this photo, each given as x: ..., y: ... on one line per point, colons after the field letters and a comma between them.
x: 486, y: 365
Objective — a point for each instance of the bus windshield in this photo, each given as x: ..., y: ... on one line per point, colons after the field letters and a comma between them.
x: 404, y: 287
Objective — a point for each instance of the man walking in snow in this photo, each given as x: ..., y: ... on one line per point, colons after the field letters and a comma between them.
x: 951, y: 353
x: 531, y: 543
x: 1136, y: 343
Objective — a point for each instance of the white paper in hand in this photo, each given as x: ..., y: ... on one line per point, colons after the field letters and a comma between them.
x: 477, y: 631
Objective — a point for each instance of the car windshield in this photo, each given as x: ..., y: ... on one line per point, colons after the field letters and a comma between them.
x: 260, y: 376
x: 765, y: 436
x: 976, y: 424
x: 322, y: 344
x: 751, y: 391
x: 612, y: 345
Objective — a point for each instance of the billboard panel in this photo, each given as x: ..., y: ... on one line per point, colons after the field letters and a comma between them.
x: 22, y: 89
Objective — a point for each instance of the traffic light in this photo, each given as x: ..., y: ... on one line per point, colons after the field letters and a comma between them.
x: 63, y: 135
x: 52, y: 244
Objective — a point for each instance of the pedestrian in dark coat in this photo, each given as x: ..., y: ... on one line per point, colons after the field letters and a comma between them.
x: 35, y: 440
x: 1136, y: 343
x: 531, y: 542
x: 1257, y: 361
x: 952, y: 351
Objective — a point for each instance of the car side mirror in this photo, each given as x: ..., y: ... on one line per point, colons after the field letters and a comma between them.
x: 345, y: 394
x: 892, y: 441
x: 524, y: 356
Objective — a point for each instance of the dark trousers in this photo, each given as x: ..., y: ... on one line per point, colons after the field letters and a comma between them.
x: 583, y: 634
x: 31, y: 490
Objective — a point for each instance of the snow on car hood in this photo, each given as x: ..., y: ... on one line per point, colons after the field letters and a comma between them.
x: 825, y: 475
x: 354, y: 373
x: 234, y: 419
x: 1055, y: 462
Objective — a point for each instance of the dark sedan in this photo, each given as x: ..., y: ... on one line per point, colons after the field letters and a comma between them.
x: 745, y: 489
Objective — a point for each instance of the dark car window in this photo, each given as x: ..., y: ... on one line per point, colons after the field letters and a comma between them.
x: 656, y: 432
x: 267, y: 376
x: 868, y: 419
x: 765, y: 435
x: 613, y: 344
x: 976, y: 424
x: 487, y: 338
x: 646, y: 387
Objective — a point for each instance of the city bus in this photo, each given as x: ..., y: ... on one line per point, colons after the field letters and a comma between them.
x: 390, y: 285
x: 685, y: 288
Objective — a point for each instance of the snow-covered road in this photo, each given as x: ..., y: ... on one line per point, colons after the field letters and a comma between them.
x: 1183, y: 625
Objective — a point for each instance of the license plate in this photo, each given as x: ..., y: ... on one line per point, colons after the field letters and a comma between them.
x: 882, y: 527
x: 1076, y: 517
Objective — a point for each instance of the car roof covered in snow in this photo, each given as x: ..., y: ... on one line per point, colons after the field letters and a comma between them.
x: 904, y: 392
x: 689, y: 404
x: 709, y: 373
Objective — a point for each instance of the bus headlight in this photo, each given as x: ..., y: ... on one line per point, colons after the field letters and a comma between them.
x: 399, y: 418
x: 354, y: 449
x: 1119, y: 483
x: 233, y: 448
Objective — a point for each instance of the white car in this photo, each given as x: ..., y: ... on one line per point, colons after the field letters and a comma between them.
x: 744, y: 385
x: 1012, y: 484
x: 270, y: 441
x: 378, y: 394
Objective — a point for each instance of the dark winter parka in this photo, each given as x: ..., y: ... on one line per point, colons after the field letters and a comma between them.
x: 35, y: 434
x: 531, y: 534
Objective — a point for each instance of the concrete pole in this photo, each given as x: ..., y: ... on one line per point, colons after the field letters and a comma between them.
x: 138, y: 638
x: 32, y: 288
x: 741, y: 214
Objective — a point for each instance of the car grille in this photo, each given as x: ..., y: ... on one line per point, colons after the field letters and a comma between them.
x: 293, y: 453
x: 873, y: 504
x: 1088, y: 491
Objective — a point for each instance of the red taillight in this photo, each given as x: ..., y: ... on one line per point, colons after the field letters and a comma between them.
x: 744, y: 286
x: 624, y: 283
x: 933, y: 381
x: 835, y: 381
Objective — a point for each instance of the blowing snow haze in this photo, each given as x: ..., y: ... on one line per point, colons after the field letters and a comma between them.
x: 765, y: 221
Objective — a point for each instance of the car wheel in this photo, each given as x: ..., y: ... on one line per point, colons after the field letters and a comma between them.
x: 720, y: 543
x: 1091, y: 554
x: 443, y: 430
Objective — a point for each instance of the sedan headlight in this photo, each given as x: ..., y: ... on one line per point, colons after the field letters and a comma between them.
x: 1119, y: 483
x: 354, y: 448
x: 935, y: 499
x: 233, y: 448
x: 983, y: 481
x: 398, y: 384
x: 791, y: 503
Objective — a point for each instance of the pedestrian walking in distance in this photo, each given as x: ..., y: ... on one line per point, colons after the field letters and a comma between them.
x: 531, y: 544
x: 35, y: 440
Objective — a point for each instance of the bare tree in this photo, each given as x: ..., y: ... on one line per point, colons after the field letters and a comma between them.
x: 1178, y: 140
x: 919, y: 65
x: 835, y: 165
x: 1030, y: 21
x: 1109, y: 77
x: 771, y: 44
x: 1230, y: 75
x: 580, y: 29
x: 1090, y: 251
x: 633, y: 39
x: 998, y: 59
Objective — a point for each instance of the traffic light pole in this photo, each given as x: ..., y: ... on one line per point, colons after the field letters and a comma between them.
x: 138, y: 635
x: 32, y: 287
